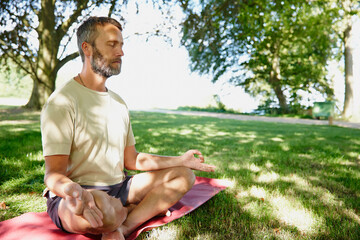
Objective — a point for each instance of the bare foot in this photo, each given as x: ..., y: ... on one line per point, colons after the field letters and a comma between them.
x: 116, y: 235
x: 165, y: 213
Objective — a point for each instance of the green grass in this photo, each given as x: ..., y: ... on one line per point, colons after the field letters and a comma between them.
x: 288, y: 181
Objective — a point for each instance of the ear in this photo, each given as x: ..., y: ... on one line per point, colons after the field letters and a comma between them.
x: 87, y: 49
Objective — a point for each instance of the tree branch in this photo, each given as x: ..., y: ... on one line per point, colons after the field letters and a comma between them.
x: 64, y: 27
x: 112, y: 7
x: 66, y: 59
x: 13, y: 58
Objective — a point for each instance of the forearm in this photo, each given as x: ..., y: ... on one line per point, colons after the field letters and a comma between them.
x: 57, y: 183
x: 192, y: 159
x: 150, y: 162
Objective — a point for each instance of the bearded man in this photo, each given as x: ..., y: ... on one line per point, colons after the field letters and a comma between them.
x: 88, y: 143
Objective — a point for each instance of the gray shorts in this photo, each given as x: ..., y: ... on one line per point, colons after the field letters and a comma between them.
x: 119, y: 191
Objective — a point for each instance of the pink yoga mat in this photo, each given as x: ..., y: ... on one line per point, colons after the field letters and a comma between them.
x: 40, y: 227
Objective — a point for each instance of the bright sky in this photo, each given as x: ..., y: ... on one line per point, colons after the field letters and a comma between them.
x: 157, y: 75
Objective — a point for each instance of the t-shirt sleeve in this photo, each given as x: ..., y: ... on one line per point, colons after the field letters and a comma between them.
x: 57, y: 130
x: 130, y: 141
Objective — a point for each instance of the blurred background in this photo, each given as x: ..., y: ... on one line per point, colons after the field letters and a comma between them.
x: 164, y: 66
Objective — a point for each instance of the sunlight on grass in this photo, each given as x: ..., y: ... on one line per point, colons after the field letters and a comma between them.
x: 257, y: 192
x: 245, y: 137
x: 230, y: 183
x: 291, y: 212
x: 286, y: 209
x: 204, y: 236
x: 353, y: 154
x: 285, y: 181
x: 254, y: 168
x: 285, y: 147
x: 234, y: 166
x: 267, y: 177
x: 13, y: 183
x: 351, y: 214
x: 153, y: 150
x: 306, y: 156
x: 276, y: 139
x: 269, y: 164
x: 322, y: 194
x: 16, y: 122
x: 21, y: 203
x: 348, y: 163
x: 164, y: 233
x: 19, y: 129
x: 35, y: 156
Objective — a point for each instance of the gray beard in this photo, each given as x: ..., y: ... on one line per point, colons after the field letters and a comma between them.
x: 101, y: 67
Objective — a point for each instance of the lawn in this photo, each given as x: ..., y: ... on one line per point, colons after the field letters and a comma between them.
x: 288, y: 181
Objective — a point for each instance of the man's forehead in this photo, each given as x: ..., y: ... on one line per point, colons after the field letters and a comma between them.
x: 109, y: 32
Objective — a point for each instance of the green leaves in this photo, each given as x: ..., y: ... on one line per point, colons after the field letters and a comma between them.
x: 281, y: 44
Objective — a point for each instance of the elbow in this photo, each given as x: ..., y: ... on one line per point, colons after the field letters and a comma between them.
x: 46, y: 178
x: 129, y: 167
x: 131, y: 160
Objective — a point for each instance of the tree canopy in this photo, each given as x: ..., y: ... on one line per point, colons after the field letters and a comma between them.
x: 273, y: 48
x: 34, y: 35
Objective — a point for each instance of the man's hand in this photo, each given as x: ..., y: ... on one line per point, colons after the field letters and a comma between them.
x: 82, y: 203
x: 189, y: 160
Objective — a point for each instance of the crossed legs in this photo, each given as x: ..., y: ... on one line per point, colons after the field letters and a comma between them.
x: 152, y: 193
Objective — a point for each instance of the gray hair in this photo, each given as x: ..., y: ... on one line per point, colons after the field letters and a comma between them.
x: 87, y: 32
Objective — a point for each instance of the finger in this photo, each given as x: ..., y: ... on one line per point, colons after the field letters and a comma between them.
x: 197, y: 152
x: 201, y: 157
x: 97, y: 217
x: 207, y: 168
x: 97, y: 211
x: 92, y: 206
x: 92, y: 218
x: 79, y: 207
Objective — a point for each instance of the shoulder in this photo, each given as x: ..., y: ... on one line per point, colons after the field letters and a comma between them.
x: 117, y: 97
x: 62, y: 97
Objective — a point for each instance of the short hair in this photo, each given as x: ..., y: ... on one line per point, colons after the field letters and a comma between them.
x: 87, y: 31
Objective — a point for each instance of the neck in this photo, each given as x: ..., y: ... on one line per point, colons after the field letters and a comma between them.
x: 92, y: 80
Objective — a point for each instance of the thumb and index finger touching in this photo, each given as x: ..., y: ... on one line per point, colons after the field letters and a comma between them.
x: 83, y: 203
x: 202, y: 166
x: 73, y: 190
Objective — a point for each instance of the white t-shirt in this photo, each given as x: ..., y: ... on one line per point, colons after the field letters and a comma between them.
x: 93, y: 128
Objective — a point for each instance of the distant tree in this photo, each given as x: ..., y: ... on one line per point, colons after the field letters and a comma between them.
x: 347, y: 9
x: 13, y: 83
x: 270, y: 47
x: 34, y: 35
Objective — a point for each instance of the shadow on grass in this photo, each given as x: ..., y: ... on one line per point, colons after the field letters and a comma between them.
x: 290, y: 181
x: 22, y: 165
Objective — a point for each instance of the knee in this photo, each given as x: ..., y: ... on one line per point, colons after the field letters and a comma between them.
x: 187, y: 177
x: 114, y: 214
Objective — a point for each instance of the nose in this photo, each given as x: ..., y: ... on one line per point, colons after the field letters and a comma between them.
x: 120, y: 51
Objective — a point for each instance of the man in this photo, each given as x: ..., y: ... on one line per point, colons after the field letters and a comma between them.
x: 88, y: 142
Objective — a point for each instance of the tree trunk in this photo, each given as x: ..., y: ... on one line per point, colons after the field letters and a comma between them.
x: 274, y: 81
x: 40, y: 93
x: 45, y: 74
x: 348, y: 110
x: 351, y: 109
